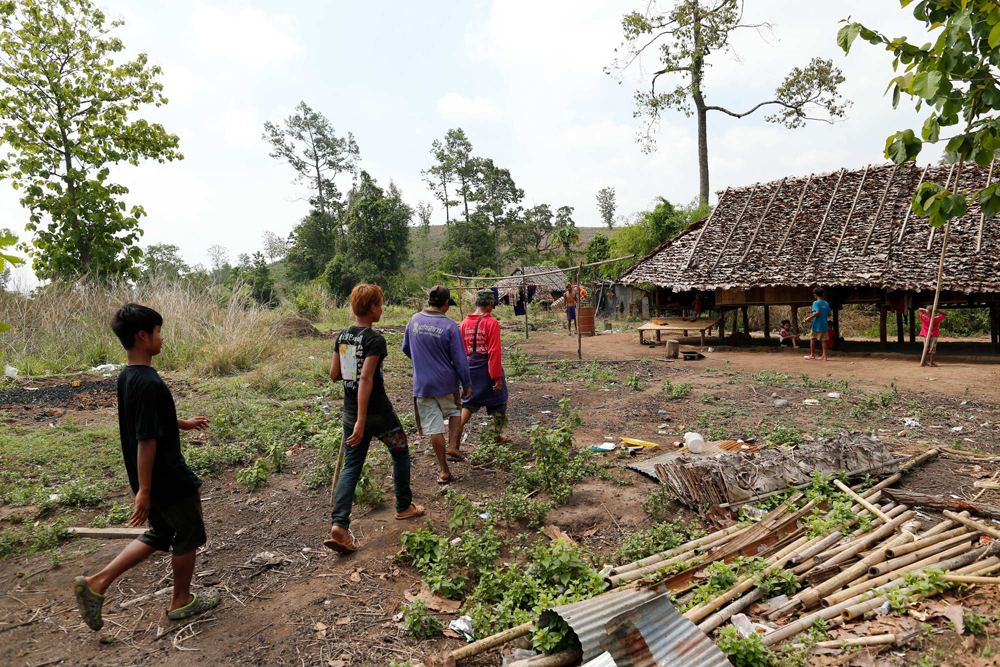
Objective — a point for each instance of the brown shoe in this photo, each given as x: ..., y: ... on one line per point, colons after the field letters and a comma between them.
x: 338, y: 543
x: 412, y: 512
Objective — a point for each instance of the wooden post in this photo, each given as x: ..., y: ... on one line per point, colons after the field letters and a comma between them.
x: 746, y: 321
x: 883, y: 336
x: 767, y: 321
x: 899, y: 327
x: 524, y: 289
x: 994, y: 327
x: 836, y: 318
x: 913, y: 325
x: 459, y: 300
x: 736, y: 316
x: 795, y: 320
x: 579, y: 300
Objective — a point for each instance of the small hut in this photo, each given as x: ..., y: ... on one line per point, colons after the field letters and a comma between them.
x: 549, y: 282
x: 851, y: 232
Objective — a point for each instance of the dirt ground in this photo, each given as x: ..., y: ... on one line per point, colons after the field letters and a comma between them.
x: 308, y: 607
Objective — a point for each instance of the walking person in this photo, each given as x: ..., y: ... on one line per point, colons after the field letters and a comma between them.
x: 481, y: 335
x: 570, y: 299
x: 929, y: 329
x: 165, y: 488
x: 368, y: 414
x: 820, y: 318
x: 434, y: 343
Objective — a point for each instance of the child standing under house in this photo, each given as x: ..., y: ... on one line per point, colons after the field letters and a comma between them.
x: 820, y: 319
x: 368, y: 414
x: 929, y: 330
x: 166, y: 490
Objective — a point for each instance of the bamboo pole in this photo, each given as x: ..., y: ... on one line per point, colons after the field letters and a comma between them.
x: 926, y: 541
x: 940, y: 275
x: 965, y: 579
x: 861, y: 501
x: 499, y: 639
x: 920, y: 554
x: 723, y: 615
x: 972, y: 523
x: 819, y: 547
x: 870, y: 640
x: 568, y: 657
x: 579, y: 300
x: 688, y: 546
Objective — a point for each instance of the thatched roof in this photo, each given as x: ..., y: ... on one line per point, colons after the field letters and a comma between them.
x: 846, y: 228
x: 546, y: 283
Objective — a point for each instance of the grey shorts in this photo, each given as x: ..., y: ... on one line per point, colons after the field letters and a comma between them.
x: 435, y: 411
x: 179, y: 527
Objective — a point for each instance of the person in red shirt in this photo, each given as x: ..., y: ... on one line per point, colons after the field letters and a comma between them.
x: 481, y: 334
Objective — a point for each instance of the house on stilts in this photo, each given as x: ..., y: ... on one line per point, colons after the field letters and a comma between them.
x: 851, y: 232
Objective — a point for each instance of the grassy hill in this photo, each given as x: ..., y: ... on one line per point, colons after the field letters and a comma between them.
x: 437, y: 236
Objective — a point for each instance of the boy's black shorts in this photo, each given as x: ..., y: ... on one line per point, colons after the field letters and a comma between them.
x: 179, y: 527
x: 490, y: 409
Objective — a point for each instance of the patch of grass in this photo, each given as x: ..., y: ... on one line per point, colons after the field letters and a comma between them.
x: 676, y: 391
x: 824, y: 383
x: 419, y: 622
x: 657, y: 504
x: 29, y: 539
x: 875, y: 402
x: 771, y: 378
x: 661, y: 537
x: 635, y: 383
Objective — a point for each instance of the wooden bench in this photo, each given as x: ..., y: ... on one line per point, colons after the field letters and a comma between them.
x: 677, y: 324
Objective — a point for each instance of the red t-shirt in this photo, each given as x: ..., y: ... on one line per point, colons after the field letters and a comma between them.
x: 487, y: 341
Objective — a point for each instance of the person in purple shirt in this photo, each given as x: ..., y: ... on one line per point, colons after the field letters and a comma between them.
x: 434, y: 343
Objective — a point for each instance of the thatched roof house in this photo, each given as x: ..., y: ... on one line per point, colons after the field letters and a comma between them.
x: 549, y: 279
x: 849, y: 231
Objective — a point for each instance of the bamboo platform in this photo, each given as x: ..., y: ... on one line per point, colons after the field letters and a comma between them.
x: 678, y: 324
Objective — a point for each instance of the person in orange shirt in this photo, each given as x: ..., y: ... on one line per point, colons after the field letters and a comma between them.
x: 481, y: 334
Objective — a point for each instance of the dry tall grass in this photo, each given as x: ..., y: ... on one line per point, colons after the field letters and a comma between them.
x: 65, y: 328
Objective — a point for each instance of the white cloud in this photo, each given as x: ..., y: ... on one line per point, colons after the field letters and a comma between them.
x: 242, y: 128
x: 458, y: 107
x: 247, y: 36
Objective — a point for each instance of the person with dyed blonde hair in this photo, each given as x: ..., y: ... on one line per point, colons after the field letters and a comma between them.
x: 367, y: 414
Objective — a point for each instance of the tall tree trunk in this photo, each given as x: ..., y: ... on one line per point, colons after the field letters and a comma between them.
x: 496, y: 242
x: 697, y: 71
x: 444, y: 186
x: 319, y: 185
x: 465, y: 195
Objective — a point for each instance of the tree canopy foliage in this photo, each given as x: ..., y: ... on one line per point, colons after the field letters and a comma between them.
x: 606, y: 206
x: 683, y: 36
x: 66, y: 109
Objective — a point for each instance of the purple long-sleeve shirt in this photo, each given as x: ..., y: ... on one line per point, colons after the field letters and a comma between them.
x: 434, y: 343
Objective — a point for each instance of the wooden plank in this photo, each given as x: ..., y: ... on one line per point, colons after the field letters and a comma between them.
x: 883, y: 336
x: 760, y: 222
x: 735, y: 226
x: 107, y: 533
x: 914, y: 499
x: 767, y: 321
x: 899, y: 327
x: 982, y: 214
x: 871, y: 229
x: 909, y: 209
x: 850, y: 214
x: 947, y: 184
x: 822, y: 224
x: 705, y: 226
x: 791, y: 223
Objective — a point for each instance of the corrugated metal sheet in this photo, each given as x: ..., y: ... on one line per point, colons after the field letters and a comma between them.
x: 603, y: 660
x: 713, y: 447
x: 639, y: 628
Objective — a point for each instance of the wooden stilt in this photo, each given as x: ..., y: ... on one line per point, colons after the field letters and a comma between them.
x: 767, y: 321
x: 795, y: 320
x: 994, y: 327
x: 736, y: 316
x: 899, y: 327
x: 883, y: 335
x: 913, y: 325
x: 746, y: 321
x: 836, y: 320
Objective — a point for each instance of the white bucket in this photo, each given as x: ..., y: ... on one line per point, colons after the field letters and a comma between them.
x: 695, y: 443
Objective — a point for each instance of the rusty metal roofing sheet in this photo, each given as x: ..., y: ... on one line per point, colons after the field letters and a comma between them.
x: 639, y: 628
x: 713, y: 447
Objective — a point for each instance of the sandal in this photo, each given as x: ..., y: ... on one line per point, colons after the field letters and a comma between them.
x: 453, y: 457
x: 339, y: 546
x: 199, y: 604
x: 90, y: 603
x: 411, y: 512
x: 446, y: 480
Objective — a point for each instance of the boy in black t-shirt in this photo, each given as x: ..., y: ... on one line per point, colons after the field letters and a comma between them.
x: 368, y: 414
x: 166, y: 490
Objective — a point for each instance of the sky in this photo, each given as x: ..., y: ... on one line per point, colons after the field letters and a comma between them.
x: 524, y: 79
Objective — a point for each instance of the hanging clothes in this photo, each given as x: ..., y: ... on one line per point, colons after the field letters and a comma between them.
x: 496, y: 295
x: 531, y: 292
x: 519, y: 308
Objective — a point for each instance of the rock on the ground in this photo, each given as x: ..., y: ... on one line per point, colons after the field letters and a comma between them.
x: 781, y: 403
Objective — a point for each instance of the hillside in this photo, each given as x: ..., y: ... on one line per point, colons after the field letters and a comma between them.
x: 437, y: 232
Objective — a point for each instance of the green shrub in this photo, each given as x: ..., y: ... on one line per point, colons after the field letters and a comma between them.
x: 661, y: 537
x: 657, y: 504
x: 748, y: 652
x: 419, y: 622
x: 635, y: 383
x: 255, y: 476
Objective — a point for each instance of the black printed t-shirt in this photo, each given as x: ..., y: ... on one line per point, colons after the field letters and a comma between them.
x: 146, y: 412
x: 354, y: 345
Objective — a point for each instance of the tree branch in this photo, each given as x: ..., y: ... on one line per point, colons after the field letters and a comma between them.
x: 747, y: 113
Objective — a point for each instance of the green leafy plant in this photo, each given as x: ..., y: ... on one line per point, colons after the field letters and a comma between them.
x: 419, y: 622
x: 554, y: 637
x: 743, y: 652
x: 278, y: 457
x: 423, y: 547
x: 976, y: 623
x: 254, y: 477
x: 661, y: 537
x: 635, y: 383
x: 657, y: 504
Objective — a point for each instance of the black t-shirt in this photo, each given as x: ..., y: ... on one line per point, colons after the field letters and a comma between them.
x: 354, y: 345
x: 146, y: 412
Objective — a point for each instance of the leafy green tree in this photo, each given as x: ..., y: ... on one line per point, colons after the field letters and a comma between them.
x: 163, y: 261
x: 684, y: 36
x: 310, y: 145
x: 497, y: 196
x: 7, y: 240
x: 566, y: 237
x: 440, y: 176
x: 650, y: 229
x: 256, y: 275
x: 312, y: 244
x: 65, y: 110
x: 468, y: 247
x: 564, y: 217
x: 377, y: 243
x: 531, y: 234
x: 275, y: 247
x: 467, y: 167
x: 424, y: 211
x: 954, y: 77
x: 606, y: 206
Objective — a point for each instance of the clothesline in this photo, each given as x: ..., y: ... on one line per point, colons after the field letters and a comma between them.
x: 541, y: 273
